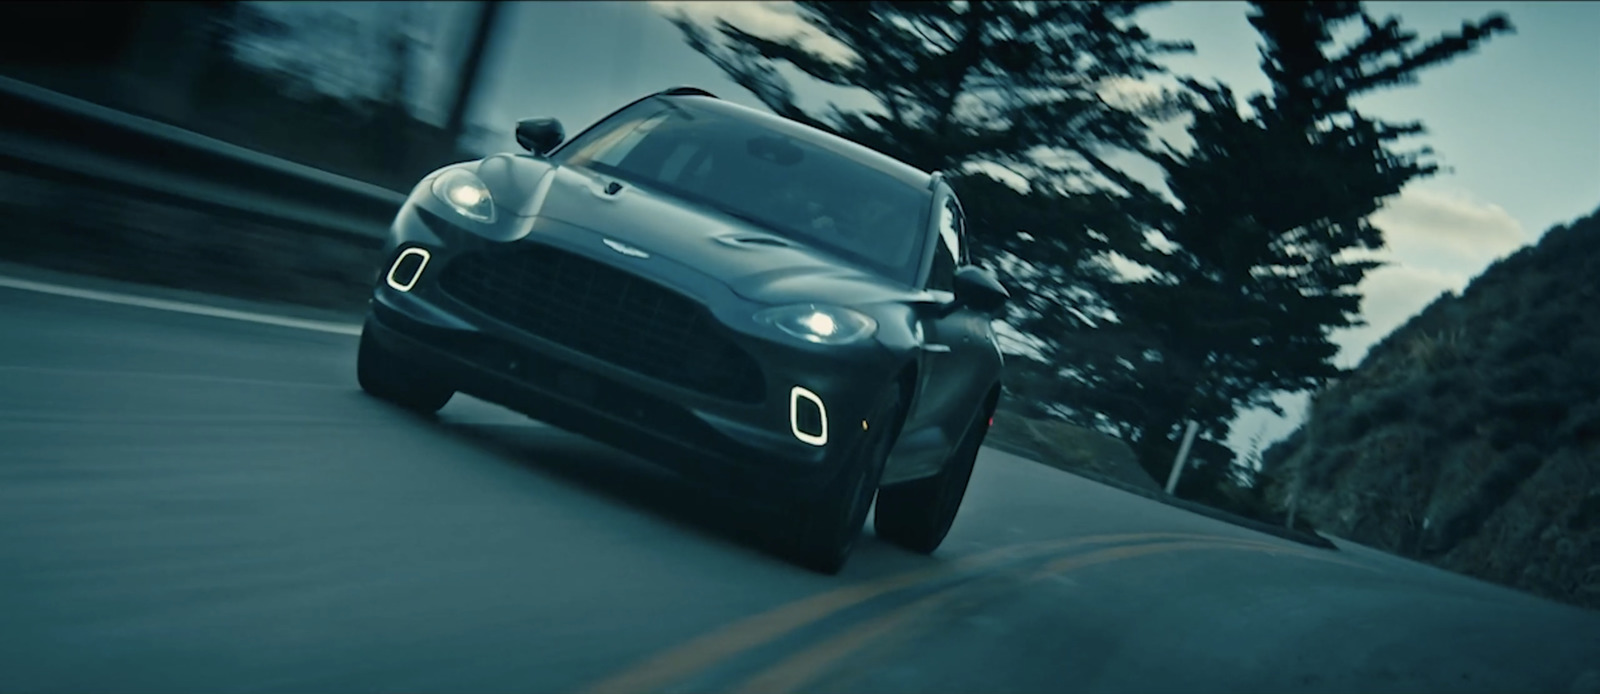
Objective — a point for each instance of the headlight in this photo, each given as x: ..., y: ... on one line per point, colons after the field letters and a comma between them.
x: 466, y: 194
x: 827, y: 325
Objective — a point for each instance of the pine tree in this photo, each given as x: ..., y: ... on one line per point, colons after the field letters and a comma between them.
x: 1274, y: 233
x: 959, y: 82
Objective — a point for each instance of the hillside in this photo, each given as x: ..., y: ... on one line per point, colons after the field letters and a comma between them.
x: 1470, y: 437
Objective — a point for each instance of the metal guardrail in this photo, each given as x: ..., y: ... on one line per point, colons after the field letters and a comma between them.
x: 44, y: 129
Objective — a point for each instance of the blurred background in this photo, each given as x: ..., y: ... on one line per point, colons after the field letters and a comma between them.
x: 1369, y: 338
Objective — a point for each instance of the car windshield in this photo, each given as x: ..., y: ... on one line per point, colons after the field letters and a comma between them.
x: 745, y: 169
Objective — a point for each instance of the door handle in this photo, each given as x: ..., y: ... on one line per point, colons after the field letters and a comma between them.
x: 935, y: 348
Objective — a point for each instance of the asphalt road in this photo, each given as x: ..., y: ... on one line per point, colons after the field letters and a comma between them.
x: 202, y: 504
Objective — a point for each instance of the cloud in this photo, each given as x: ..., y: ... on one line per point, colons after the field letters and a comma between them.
x: 1447, y: 229
x: 767, y: 19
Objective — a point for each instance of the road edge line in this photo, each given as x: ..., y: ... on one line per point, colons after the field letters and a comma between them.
x: 171, y: 306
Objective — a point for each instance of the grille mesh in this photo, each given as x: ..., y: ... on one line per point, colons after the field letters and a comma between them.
x: 608, y: 314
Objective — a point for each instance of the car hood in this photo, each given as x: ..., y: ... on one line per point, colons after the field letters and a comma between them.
x: 751, y: 260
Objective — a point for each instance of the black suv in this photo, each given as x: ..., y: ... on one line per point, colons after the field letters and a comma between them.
x: 749, y: 300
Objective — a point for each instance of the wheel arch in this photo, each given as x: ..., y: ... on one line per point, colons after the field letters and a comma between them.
x: 989, y: 404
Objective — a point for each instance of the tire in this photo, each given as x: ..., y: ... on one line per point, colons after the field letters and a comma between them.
x: 828, y: 529
x: 917, y: 515
x: 385, y: 376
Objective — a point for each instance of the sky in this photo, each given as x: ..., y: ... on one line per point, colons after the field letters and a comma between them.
x: 1516, y: 124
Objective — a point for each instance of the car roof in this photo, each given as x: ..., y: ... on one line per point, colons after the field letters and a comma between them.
x: 865, y: 156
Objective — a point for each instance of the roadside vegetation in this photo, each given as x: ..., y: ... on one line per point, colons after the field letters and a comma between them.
x: 1470, y: 436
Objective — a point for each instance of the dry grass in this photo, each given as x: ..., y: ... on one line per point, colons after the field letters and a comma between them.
x: 1070, y: 448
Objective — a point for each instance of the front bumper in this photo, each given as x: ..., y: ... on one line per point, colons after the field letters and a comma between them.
x: 748, y: 445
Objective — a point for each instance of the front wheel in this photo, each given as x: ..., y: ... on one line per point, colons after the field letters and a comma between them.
x: 829, y: 527
x: 917, y: 515
x: 386, y: 376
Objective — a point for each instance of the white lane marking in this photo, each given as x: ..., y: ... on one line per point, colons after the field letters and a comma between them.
x: 101, y: 373
x: 180, y: 307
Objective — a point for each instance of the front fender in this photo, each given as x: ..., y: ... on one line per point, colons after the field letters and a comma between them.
x: 424, y: 219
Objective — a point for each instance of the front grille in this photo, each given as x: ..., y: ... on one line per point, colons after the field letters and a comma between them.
x: 608, y: 314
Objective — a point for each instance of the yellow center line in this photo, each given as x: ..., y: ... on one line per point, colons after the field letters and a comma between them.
x: 1271, y: 548
x: 804, y: 667
x: 753, y: 632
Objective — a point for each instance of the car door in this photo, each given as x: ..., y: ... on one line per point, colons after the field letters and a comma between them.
x: 954, y: 354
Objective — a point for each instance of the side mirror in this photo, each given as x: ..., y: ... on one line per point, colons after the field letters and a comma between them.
x: 978, y: 289
x: 540, y: 135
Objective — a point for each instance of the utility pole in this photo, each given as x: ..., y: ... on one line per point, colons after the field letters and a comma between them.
x: 471, y: 70
x: 1183, y: 455
x: 1190, y: 430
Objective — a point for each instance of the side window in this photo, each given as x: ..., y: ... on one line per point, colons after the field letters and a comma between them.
x: 948, y: 253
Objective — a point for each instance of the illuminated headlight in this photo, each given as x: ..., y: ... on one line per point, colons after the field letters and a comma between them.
x: 466, y: 194
x: 826, y: 325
